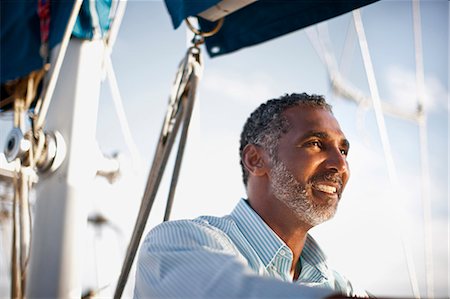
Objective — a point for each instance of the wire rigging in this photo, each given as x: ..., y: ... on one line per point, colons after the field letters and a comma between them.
x: 423, y: 137
x: 392, y: 172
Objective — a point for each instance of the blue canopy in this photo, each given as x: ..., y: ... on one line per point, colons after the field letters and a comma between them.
x: 20, y: 39
x: 260, y: 21
x: 253, y: 24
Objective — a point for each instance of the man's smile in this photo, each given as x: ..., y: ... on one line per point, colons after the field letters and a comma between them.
x: 325, y: 188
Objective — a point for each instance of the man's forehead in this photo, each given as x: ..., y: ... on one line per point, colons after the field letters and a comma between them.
x: 304, y: 119
x: 309, y: 115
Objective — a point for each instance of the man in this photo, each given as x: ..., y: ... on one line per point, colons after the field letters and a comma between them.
x: 294, y: 162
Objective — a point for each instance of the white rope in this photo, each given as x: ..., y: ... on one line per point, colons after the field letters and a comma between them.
x: 384, y: 139
x: 116, y: 22
x: 420, y: 83
x: 118, y: 105
x: 97, y: 31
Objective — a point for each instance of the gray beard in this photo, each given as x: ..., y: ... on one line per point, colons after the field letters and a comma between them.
x: 298, y: 197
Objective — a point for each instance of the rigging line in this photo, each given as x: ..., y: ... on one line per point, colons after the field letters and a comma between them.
x: 50, y: 87
x: 426, y: 200
x: 322, y: 51
x: 95, y: 22
x: 187, y: 115
x: 343, y: 68
x: 116, y: 22
x: 311, y: 33
x: 325, y: 44
x: 17, y: 290
x: 330, y: 58
x: 341, y: 87
x: 384, y: 138
x: 349, y: 46
x: 120, y: 111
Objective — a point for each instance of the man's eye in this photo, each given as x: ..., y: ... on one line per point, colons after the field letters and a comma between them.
x: 315, y: 143
x: 344, y: 152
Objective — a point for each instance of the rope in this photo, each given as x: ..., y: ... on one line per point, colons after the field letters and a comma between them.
x: 426, y: 201
x: 384, y: 138
x: 116, y: 21
x: 97, y: 31
x: 23, y: 93
x: 120, y: 111
x: 16, y: 285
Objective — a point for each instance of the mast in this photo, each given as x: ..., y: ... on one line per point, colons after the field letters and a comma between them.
x: 60, y: 218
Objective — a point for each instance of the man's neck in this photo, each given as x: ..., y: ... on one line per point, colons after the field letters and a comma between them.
x: 286, y: 225
x: 295, y: 239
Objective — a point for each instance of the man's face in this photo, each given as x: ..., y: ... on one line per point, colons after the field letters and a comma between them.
x: 310, y: 170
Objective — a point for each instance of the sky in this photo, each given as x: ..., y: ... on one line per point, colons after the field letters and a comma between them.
x: 363, y: 241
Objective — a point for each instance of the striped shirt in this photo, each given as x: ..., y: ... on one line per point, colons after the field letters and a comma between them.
x: 236, y: 256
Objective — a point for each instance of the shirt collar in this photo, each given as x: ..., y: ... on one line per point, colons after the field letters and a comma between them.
x: 315, y: 257
x: 260, y: 236
x: 267, y: 244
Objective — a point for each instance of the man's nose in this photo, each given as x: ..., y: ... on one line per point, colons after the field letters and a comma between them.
x: 337, y: 161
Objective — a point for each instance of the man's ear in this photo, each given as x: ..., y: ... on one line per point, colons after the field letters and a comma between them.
x: 253, y: 160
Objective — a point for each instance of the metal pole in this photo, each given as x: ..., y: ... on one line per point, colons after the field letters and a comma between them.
x: 189, y: 106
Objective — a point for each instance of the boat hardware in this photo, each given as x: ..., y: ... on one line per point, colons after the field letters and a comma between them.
x: 53, y: 153
x: 16, y: 146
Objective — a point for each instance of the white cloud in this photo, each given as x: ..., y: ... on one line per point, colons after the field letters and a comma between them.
x: 402, y: 90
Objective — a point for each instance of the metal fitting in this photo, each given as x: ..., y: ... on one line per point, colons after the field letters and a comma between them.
x: 16, y: 145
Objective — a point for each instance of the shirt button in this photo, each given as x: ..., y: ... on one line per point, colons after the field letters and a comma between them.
x: 282, y: 252
x: 273, y: 268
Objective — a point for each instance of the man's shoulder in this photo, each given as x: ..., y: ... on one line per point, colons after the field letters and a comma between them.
x: 208, y: 229
x: 201, y: 223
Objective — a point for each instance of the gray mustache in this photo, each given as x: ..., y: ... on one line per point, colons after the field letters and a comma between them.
x: 329, y: 176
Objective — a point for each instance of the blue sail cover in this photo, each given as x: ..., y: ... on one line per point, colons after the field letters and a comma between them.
x: 20, y: 37
x: 260, y: 21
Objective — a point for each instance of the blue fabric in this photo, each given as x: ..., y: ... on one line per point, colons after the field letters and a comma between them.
x: 260, y: 21
x: 181, y: 9
x: 83, y: 26
x: 236, y: 256
x: 20, y: 37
